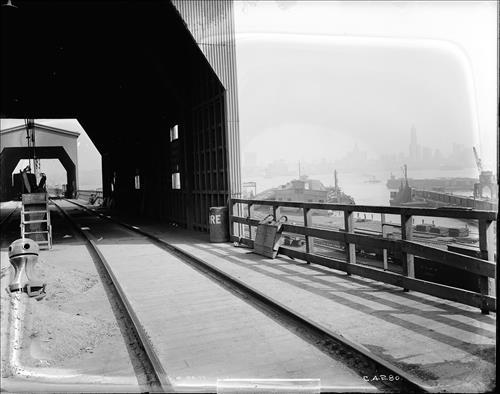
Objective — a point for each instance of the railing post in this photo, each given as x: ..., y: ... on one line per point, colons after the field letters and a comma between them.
x: 407, y: 235
x: 249, y: 207
x: 487, y: 250
x: 308, y: 223
x: 384, y: 235
x: 230, y: 208
x: 349, y: 247
x: 236, y: 229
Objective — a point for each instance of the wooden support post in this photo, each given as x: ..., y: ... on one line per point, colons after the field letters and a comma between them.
x: 308, y: 223
x: 231, y: 212
x: 487, y: 250
x: 384, y: 235
x: 236, y: 209
x: 407, y: 259
x: 249, y: 216
x: 349, y: 248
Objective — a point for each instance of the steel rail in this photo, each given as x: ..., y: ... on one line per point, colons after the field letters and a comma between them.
x: 406, y: 383
x: 160, y: 376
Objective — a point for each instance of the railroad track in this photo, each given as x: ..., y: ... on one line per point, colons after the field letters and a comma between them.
x: 352, y: 355
x: 156, y: 377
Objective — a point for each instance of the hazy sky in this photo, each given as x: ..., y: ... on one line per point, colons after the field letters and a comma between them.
x: 325, y: 75
x: 322, y: 76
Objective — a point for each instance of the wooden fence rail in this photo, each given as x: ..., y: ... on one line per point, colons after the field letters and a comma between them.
x: 484, y: 267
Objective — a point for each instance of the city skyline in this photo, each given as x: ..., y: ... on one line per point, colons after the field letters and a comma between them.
x: 417, y: 157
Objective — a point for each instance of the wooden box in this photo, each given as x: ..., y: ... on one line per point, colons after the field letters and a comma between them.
x: 268, y: 239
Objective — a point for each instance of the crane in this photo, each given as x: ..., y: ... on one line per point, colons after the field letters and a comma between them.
x: 30, y: 137
x: 479, y: 164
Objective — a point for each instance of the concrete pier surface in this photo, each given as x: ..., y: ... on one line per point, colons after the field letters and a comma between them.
x: 443, y: 345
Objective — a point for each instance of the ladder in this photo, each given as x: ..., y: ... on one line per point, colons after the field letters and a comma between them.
x: 35, y: 219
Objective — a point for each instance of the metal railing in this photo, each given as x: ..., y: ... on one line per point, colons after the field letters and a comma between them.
x: 484, y: 267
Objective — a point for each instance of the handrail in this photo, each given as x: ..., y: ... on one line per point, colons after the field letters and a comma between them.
x: 484, y: 267
x: 443, y: 212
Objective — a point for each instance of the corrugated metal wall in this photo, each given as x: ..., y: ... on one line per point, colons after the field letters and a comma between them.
x: 211, y: 23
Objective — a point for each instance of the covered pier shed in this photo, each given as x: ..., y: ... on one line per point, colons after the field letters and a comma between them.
x: 153, y: 83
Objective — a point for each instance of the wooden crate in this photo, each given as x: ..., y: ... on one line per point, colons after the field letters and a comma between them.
x: 268, y: 239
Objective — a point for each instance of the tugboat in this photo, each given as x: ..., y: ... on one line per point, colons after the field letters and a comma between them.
x: 336, y: 195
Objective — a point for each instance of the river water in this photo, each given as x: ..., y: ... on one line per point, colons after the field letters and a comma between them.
x: 364, y: 193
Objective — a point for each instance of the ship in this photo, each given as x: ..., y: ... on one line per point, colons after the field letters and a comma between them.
x: 404, y: 196
x: 437, y: 184
x: 305, y: 189
x: 408, y: 196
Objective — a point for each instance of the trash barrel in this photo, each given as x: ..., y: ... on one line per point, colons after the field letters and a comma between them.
x: 219, y: 226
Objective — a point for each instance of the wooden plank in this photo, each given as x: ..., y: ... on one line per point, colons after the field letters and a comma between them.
x: 452, y: 259
x: 456, y: 213
x: 331, y: 235
x: 438, y: 290
x: 237, y: 219
x: 370, y: 241
x: 334, y: 235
